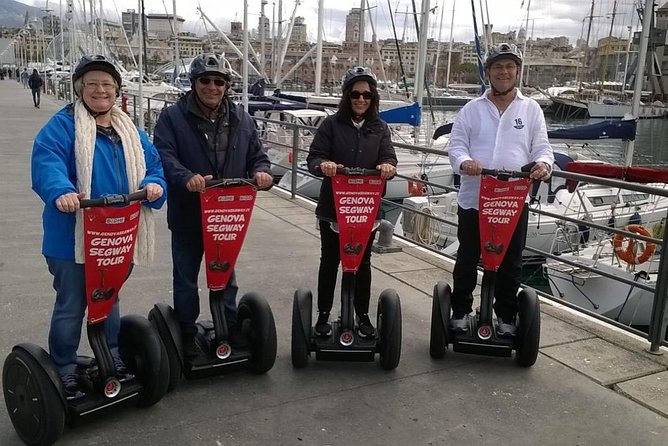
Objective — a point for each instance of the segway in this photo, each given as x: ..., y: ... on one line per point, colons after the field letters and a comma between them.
x: 357, y: 196
x: 500, y: 208
x: 34, y: 395
x: 227, y: 206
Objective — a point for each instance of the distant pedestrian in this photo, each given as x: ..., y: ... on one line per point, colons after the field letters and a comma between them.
x: 35, y: 83
x: 24, y: 78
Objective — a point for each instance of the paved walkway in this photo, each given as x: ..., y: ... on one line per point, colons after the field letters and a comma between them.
x: 591, y: 385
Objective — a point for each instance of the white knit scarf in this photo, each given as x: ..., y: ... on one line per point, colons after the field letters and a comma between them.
x: 85, y: 129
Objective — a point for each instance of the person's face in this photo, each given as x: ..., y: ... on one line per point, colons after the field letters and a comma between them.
x: 99, y: 90
x: 503, y: 74
x: 210, y: 89
x: 359, y: 103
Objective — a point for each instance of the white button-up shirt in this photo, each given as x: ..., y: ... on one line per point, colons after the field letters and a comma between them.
x: 507, y: 140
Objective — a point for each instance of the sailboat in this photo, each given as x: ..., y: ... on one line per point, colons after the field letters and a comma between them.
x: 595, y: 277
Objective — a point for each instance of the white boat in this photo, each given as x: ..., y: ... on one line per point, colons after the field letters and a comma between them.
x: 598, y: 291
x: 615, y: 109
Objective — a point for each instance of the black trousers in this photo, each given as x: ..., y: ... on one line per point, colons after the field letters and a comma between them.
x: 465, y: 273
x: 329, y: 267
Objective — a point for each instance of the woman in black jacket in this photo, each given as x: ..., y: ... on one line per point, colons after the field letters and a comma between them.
x: 354, y: 137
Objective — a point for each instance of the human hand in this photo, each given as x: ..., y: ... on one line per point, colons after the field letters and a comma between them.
x: 153, y: 191
x: 69, y: 202
x: 471, y: 167
x: 263, y: 180
x: 197, y: 182
x: 386, y: 170
x: 328, y: 168
x: 540, y: 172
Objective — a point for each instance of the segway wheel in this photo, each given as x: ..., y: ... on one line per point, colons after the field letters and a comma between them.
x: 164, y: 321
x: 262, y: 333
x: 528, y: 339
x: 33, y: 402
x: 302, y: 306
x: 389, y: 328
x: 145, y: 356
x: 440, y: 319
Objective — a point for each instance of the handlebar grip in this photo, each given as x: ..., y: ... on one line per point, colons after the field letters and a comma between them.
x: 357, y: 171
x: 230, y: 182
x: 505, y: 173
x: 111, y: 200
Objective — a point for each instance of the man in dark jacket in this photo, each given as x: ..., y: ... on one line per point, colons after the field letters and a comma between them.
x: 35, y: 83
x: 203, y: 136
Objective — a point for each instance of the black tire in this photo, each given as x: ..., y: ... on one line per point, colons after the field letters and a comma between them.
x: 389, y: 329
x: 440, y: 319
x: 33, y: 403
x: 262, y: 331
x: 528, y: 339
x: 302, y: 307
x: 145, y: 356
x: 158, y: 317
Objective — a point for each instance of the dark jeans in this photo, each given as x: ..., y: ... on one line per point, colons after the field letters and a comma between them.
x: 187, y: 252
x: 68, y: 313
x: 36, y: 93
x: 465, y: 273
x: 329, y: 266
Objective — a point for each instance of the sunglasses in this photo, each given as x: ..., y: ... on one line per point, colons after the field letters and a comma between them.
x: 364, y: 94
x: 207, y: 81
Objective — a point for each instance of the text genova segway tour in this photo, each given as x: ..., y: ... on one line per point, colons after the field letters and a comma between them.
x: 227, y: 205
x: 500, y: 208
x: 357, y: 196
x: 32, y: 388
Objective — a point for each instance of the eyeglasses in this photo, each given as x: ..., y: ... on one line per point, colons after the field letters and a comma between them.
x: 94, y: 85
x: 207, y: 81
x: 364, y: 94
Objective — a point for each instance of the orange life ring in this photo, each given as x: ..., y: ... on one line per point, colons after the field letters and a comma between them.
x: 415, y: 188
x: 628, y: 254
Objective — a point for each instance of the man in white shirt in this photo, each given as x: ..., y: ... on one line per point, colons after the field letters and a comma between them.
x: 501, y: 129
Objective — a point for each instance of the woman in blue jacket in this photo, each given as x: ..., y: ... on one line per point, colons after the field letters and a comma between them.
x: 89, y: 149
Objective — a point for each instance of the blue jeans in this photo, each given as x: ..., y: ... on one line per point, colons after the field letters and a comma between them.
x: 187, y: 252
x: 68, y: 313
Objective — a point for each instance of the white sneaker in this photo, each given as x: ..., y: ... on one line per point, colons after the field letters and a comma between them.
x: 460, y: 325
x: 506, y: 329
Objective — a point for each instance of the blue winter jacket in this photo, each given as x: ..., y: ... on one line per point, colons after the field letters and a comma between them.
x: 54, y: 174
x: 183, y: 150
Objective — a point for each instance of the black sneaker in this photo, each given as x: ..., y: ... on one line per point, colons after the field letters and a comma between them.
x: 190, y: 349
x: 365, y: 329
x: 322, y: 326
x: 71, y: 386
x: 122, y: 372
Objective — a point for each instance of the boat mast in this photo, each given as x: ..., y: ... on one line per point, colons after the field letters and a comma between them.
x: 422, y: 52
x: 586, y: 47
x: 452, y: 24
x: 640, y: 72
x: 524, y: 48
x: 140, y: 63
x: 438, y: 47
x: 604, y: 66
x: 177, y: 56
x: 318, y: 57
x: 360, y: 56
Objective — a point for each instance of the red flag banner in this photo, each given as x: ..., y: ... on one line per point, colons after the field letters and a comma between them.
x: 226, y: 212
x: 357, y: 200
x: 500, y: 208
x: 109, y: 243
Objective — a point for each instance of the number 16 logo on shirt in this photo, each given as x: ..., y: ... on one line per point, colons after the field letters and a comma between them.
x: 518, y: 124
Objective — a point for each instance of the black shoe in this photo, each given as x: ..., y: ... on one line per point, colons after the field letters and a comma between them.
x: 71, y: 386
x: 365, y: 329
x: 322, y: 326
x: 122, y: 372
x: 190, y: 349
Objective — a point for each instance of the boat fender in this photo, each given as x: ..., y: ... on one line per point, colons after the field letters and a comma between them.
x: 628, y: 254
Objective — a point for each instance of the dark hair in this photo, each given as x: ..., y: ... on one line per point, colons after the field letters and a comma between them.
x: 346, y: 105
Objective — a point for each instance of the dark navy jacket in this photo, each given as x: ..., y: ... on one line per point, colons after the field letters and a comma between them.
x: 183, y: 150
x: 338, y: 140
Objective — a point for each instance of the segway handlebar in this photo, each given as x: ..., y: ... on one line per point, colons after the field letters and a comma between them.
x: 225, y: 182
x: 357, y: 171
x: 505, y: 174
x: 112, y: 200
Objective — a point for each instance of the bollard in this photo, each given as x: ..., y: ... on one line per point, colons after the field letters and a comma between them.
x: 384, y: 244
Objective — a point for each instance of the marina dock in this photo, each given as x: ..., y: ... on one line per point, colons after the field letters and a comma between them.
x: 591, y: 385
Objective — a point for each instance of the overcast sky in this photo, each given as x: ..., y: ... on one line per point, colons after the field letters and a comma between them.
x: 547, y: 18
